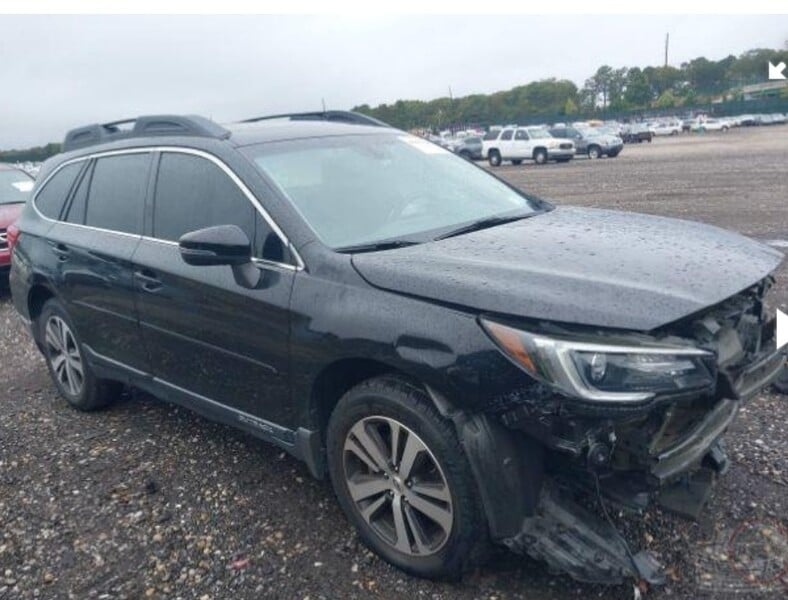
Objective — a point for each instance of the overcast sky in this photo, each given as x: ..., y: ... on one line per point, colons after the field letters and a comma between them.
x: 57, y: 72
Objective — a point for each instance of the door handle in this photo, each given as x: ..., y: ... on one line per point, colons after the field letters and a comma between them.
x: 148, y: 280
x: 61, y: 251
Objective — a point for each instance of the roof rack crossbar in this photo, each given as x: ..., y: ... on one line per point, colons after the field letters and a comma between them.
x: 144, y: 126
x: 343, y: 116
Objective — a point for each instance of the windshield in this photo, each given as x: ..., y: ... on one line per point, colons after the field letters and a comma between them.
x: 538, y: 133
x: 15, y: 186
x: 361, y: 189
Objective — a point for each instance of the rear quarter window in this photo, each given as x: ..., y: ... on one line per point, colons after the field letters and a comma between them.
x: 50, y: 199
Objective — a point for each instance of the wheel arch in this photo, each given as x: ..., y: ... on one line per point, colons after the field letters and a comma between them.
x: 37, y: 296
x: 337, y: 378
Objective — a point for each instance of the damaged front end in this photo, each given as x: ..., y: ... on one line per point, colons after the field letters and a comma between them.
x: 626, y: 420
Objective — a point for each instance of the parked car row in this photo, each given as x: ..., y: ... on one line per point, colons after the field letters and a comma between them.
x: 594, y: 139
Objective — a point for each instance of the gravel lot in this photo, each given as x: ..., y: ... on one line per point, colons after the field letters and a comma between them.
x: 147, y: 500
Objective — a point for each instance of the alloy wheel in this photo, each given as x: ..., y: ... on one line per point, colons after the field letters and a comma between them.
x: 397, y: 486
x: 64, y: 355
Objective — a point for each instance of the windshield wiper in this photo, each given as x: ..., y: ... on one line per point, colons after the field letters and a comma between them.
x: 375, y: 246
x: 485, y: 223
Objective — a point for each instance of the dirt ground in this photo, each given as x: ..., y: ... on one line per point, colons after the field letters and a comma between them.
x: 148, y: 500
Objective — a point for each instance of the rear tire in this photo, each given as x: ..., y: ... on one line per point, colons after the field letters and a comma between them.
x: 494, y: 158
x: 376, y: 474
x: 65, y: 358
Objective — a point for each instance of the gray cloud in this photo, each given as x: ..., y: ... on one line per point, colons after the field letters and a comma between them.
x: 57, y: 72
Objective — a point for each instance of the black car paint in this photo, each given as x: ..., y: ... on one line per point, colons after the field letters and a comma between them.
x: 583, y: 266
x: 268, y: 359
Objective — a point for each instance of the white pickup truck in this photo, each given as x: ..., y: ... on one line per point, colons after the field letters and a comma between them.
x: 517, y: 144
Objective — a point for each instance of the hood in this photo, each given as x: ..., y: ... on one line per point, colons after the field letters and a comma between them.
x: 605, y: 138
x: 575, y: 265
x: 9, y: 213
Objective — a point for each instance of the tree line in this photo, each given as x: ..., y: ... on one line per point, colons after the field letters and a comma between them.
x: 608, y: 90
x: 37, y: 154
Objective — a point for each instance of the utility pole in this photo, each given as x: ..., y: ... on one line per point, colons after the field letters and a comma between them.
x: 323, y: 100
x: 667, y: 43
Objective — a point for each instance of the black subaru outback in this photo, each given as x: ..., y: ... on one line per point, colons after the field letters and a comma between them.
x: 464, y: 360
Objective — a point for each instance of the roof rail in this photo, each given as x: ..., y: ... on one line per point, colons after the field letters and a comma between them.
x: 343, y: 116
x: 145, y: 126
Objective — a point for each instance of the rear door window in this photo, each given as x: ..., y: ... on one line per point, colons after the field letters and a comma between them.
x: 521, y: 135
x: 50, y: 200
x: 507, y: 135
x: 117, y: 192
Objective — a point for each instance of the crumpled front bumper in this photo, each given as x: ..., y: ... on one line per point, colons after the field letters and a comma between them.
x: 572, y: 540
x: 678, y: 476
x: 742, y: 384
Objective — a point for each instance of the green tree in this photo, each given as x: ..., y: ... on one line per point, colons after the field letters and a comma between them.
x: 667, y: 99
x: 638, y: 91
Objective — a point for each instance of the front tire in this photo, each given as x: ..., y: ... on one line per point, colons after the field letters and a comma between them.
x: 594, y: 152
x: 65, y: 358
x: 402, y: 479
x: 540, y: 156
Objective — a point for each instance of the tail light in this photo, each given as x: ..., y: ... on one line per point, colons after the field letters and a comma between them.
x: 12, y: 235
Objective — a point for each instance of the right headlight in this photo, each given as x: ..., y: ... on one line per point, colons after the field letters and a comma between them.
x: 605, y: 372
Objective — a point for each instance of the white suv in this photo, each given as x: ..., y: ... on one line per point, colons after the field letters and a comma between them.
x: 520, y: 143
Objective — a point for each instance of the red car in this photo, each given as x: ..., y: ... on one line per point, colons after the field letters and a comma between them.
x: 15, y: 186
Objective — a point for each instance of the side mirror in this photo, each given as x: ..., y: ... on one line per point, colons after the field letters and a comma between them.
x: 220, y: 245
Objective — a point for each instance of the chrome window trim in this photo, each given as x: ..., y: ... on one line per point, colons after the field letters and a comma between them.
x: 181, y: 150
x: 257, y: 261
